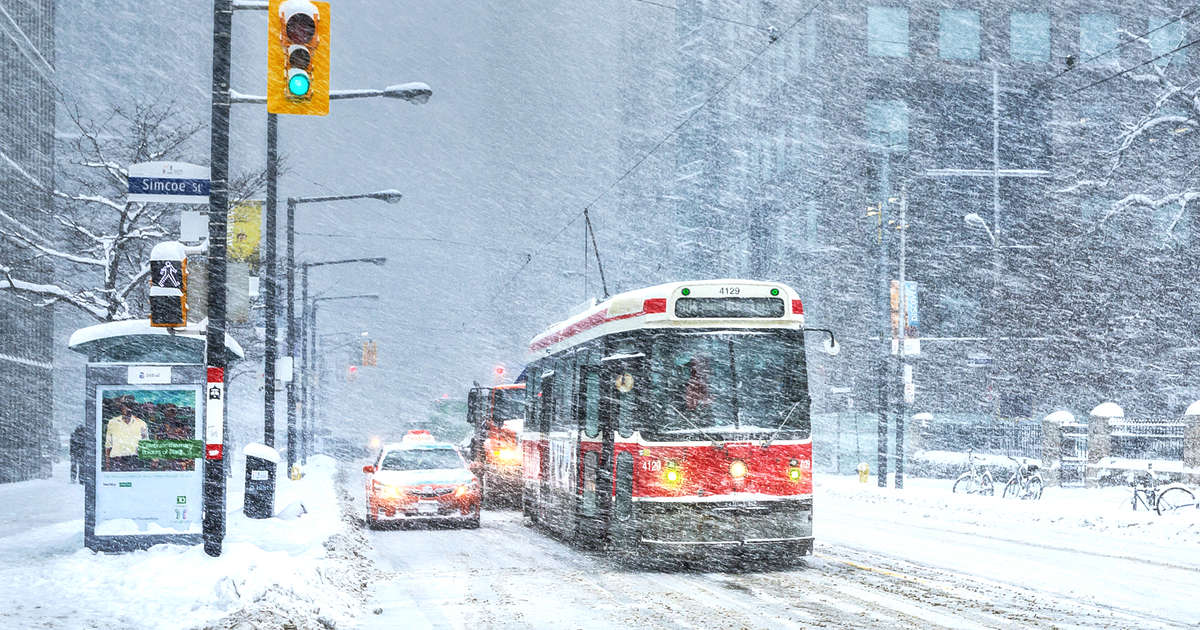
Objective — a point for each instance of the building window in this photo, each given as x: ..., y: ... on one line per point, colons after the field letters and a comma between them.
x: 1098, y: 38
x: 958, y: 34
x: 1166, y: 34
x: 1029, y: 37
x: 887, y: 32
x: 887, y: 125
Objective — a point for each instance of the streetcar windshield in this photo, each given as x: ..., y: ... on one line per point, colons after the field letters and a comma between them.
x: 729, y: 385
x: 509, y: 404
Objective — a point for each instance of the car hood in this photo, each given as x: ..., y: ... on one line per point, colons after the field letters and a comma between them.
x: 445, y: 476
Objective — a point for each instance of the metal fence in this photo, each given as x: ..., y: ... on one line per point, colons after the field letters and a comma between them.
x: 1147, y: 439
x: 1018, y: 438
x: 1073, y: 455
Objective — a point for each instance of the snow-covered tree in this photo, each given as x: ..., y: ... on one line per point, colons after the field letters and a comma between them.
x: 97, y: 241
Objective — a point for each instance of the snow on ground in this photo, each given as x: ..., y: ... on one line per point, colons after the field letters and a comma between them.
x: 1077, y: 517
x: 273, y: 567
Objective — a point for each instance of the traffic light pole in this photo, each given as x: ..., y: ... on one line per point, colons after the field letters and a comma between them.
x: 218, y: 219
x: 269, y: 285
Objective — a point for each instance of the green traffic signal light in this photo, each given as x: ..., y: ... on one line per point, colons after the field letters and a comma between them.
x: 298, y: 85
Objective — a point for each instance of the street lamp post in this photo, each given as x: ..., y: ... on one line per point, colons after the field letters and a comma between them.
x: 416, y: 93
x: 310, y: 418
x: 389, y: 196
x: 304, y: 346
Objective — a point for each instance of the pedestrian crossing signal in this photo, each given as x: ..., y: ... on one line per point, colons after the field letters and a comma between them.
x: 370, y: 354
x: 298, y: 57
x: 168, y: 286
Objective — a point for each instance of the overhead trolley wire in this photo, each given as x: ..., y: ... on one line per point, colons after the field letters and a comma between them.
x: 1130, y: 69
x: 1118, y: 46
x: 720, y: 92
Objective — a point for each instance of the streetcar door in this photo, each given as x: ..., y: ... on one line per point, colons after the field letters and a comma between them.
x: 619, y: 376
x: 591, y: 449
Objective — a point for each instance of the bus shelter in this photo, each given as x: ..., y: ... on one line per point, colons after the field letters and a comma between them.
x: 143, y: 420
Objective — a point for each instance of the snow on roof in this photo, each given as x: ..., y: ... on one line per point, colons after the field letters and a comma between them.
x: 1062, y: 416
x: 262, y: 451
x: 1193, y: 409
x: 924, y: 415
x: 1108, y: 410
x: 134, y: 327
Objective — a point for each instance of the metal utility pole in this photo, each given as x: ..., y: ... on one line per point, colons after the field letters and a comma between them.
x: 881, y: 380
x: 218, y: 219
x: 292, y: 442
x: 901, y: 351
x: 270, y: 345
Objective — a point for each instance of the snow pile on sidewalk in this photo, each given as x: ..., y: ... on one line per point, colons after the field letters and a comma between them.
x: 271, y: 571
x: 1097, y: 519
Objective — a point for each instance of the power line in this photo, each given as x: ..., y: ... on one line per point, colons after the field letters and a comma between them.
x: 711, y: 17
x: 1130, y: 69
x: 720, y: 92
x: 1121, y: 45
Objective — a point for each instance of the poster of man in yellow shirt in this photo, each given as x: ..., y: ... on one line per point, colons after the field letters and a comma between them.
x: 121, y: 436
x: 137, y: 423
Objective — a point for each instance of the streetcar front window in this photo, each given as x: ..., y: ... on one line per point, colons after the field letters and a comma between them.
x: 509, y: 404
x: 729, y: 385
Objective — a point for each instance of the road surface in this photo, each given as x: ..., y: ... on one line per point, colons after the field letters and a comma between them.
x: 505, y: 575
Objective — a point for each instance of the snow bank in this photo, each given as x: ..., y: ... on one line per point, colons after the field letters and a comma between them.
x: 47, y: 580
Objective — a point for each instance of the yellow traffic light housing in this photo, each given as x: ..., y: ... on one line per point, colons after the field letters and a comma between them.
x: 298, y: 57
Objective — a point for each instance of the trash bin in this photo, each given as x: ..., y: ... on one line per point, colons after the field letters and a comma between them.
x: 261, y: 464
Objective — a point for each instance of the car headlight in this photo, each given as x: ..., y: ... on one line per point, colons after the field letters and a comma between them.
x: 464, y: 489
x: 387, y: 491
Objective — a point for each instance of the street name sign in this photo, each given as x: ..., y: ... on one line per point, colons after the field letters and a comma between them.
x: 168, y: 182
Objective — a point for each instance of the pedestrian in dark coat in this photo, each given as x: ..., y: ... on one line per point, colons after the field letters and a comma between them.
x: 78, y: 451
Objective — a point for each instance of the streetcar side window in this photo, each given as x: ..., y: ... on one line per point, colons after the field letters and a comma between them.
x: 591, y: 402
x: 546, y: 408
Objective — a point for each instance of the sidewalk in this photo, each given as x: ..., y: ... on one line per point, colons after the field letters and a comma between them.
x: 271, y: 570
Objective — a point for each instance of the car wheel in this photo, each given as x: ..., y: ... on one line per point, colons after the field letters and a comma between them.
x: 473, y: 523
x: 372, y: 522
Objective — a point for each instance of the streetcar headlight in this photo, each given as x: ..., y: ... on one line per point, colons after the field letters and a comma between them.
x: 671, y: 473
x: 737, y: 469
x: 794, y: 474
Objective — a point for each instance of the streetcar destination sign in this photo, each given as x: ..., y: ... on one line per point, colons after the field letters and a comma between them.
x: 168, y: 182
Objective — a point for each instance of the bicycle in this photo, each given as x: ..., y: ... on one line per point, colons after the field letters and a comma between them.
x: 1160, y: 499
x: 1025, y: 483
x: 974, y: 481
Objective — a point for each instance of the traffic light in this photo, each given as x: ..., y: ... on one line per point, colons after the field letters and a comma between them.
x: 168, y: 285
x: 298, y: 57
x: 351, y: 373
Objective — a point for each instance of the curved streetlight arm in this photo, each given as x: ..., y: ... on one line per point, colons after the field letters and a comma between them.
x: 389, y: 195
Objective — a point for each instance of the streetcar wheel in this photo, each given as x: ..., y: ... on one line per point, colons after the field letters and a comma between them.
x: 986, y: 486
x: 965, y: 484
x: 1174, y: 498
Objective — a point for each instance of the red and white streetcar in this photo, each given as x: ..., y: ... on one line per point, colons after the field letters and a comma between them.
x: 674, y: 418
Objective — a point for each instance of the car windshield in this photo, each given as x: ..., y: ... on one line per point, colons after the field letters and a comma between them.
x: 715, y: 384
x: 421, y: 459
